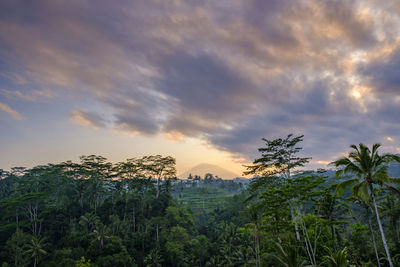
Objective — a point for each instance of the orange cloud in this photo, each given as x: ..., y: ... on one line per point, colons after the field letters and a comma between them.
x: 34, y: 95
x: 85, y: 118
x: 175, y: 136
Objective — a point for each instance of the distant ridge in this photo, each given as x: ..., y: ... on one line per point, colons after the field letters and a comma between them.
x: 204, y: 168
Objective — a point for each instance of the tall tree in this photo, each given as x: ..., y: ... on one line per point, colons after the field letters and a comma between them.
x: 279, y: 158
x: 96, y: 169
x: 36, y: 249
x: 16, y: 245
x: 254, y: 216
x: 157, y: 167
x: 366, y: 168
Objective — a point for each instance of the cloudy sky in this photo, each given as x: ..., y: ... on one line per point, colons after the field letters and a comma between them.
x: 202, y: 81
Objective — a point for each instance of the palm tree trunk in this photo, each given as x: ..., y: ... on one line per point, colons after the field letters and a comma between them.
x: 380, y: 226
x: 307, y: 241
x: 157, y: 238
x: 296, y: 229
x: 373, y: 241
x: 257, y: 245
x: 333, y: 238
x: 134, y: 219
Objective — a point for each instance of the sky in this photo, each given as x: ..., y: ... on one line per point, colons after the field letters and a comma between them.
x: 202, y: 81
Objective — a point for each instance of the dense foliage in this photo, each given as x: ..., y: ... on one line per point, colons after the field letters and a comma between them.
x: 135, y: 213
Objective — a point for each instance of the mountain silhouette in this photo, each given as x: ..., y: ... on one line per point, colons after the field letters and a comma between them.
x: 204, y: 168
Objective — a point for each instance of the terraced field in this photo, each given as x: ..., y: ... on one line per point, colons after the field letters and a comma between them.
x: 203, y: 199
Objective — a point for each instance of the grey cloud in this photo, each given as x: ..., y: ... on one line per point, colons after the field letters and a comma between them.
x: 228, y: 72
x: 329, y: 124
x: 205, y: 89
x: 383, y: 73
x: 389, y: 110
x: 200, y: 82
x: 137, y: 122
x: 346, y: 17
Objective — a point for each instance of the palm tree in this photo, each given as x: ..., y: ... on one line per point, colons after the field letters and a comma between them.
x: 366, y: 168
x: 35, y: 248
x: 337, y: 260
x: 288, y: 255
x: 254, y: 216
x: 213, y: 261
x: 101, y: 234
x: 153, y: 259
x: 89, y: 221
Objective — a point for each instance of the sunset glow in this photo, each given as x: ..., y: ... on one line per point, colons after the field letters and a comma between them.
x: 200, y: 81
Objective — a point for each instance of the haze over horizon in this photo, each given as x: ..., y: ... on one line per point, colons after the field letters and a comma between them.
x: 201, y: 81
x: 203, y: 168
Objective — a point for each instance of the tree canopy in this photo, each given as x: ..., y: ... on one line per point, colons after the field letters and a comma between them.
x: 136, y: 213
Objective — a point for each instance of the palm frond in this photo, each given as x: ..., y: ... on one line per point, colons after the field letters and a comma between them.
x: 395, y: 190
x: 395, y: 181
x: 345, y: 185
x: 381, y: 176
x: 352, y: 168
x: 361, y: 191
x: 355, y: 148
x: 342, y: 162
x: 375, y: 151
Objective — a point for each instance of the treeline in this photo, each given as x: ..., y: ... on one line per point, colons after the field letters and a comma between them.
x: 311, y: 219
x: 95, y: 213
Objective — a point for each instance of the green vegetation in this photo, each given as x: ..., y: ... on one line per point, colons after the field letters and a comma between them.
x: 205, y: 196
x: 136, y: 213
